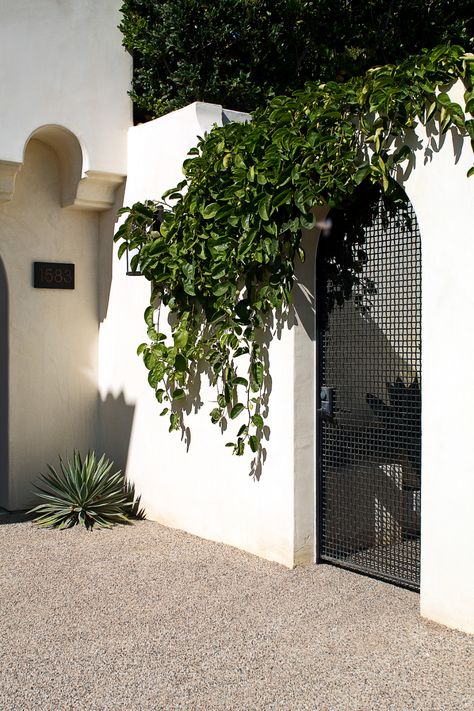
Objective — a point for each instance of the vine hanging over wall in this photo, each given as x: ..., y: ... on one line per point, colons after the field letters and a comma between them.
x: 220, y: 249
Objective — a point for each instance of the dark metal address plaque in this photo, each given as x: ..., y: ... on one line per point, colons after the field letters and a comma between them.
x: 52, y: 275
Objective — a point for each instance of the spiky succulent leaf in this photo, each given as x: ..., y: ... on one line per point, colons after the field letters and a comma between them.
x: 84, y: 492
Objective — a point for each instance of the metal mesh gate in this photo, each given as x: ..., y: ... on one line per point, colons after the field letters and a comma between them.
x: 370, y: 416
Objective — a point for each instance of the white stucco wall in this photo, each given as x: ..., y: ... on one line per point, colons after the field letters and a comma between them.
x: 206, y: 491
x: 52, y: 333
x: 203, y: 490
x: 443, y: 199
x: 64, y: 117
x: 63, y: 63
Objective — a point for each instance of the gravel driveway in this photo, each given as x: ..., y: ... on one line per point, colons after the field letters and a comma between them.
x: 144, y: 618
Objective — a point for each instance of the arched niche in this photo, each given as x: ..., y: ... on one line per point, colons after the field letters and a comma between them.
x: 70, y: 156
x: 82, y: 187
x: 52, y: 334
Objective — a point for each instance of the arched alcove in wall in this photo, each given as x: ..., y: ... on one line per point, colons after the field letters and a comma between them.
x: 69, y: 152
x: 3, y: 386
x: 82, y: 188
x: 52, y: 331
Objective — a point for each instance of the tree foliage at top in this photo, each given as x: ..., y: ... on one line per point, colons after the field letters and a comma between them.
x: 240, y: 53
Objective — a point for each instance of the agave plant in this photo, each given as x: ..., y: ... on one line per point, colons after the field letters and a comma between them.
x: 133, y: 507
x: 84, y: 492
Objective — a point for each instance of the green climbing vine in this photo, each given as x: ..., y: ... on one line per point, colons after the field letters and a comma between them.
x: 220, y: 248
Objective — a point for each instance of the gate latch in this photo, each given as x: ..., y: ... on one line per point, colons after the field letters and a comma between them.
x: 326, y: 397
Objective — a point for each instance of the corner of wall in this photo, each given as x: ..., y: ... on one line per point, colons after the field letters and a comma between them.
x: 304, y: 402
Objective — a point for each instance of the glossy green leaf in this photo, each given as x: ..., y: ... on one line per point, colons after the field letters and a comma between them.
x: 221, y: 289
x: 444, y: 99
x: 122, y: 249
x: 257, y: 372
x: 210, y: 211
x: 253, y: 442
x: 236, y: 410
x: 216, y: 415
x: 361, y: 173
x: 257, y: 420
x: 264, y: 208
x: 180, y: 339
x: 180, y: 363
x: 174, y: 422
x: 308, y: 221
x: 282, y: 198
x: 189, y: 288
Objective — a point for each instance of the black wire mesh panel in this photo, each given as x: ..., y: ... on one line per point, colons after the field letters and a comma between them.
x: 370, y: 444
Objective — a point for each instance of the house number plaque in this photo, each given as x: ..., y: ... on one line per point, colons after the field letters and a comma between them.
x: 52, y: 275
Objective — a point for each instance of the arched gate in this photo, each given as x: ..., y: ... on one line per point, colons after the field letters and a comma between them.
x: 369, y: 428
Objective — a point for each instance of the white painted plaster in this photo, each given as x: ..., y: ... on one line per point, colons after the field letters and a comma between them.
x: 63, y: 71
x: 52, y: 333
x: 305, y: 399
x: 63, y: 64
x: 64, y: 117
x: 443, y: 199
x: 205, y: 490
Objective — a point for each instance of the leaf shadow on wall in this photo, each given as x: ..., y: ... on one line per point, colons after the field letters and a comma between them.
x: 201, y: 377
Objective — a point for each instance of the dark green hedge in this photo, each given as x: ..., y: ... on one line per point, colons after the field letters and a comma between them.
x: 239, y: 53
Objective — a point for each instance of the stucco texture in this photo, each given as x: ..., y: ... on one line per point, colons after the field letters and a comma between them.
x: 52, y: 363
x: 63, y: 64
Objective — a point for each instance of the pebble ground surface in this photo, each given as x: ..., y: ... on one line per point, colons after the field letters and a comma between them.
x: 144, y: 618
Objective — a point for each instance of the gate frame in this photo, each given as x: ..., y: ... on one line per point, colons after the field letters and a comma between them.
x: 319, y: 558
x: 442, y: 199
